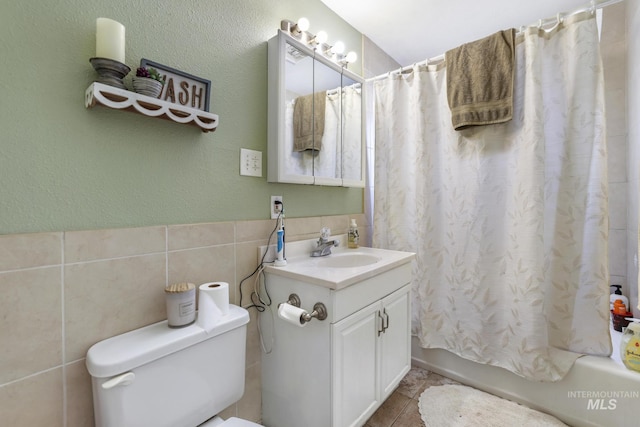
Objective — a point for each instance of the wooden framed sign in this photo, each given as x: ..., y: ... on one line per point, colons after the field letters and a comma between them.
x: 182, y: 88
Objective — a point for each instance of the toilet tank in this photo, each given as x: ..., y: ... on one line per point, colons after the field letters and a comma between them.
x: 163, y: 377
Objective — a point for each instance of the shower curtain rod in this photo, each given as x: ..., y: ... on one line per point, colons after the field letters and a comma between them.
x: 593, y: 5
x: 334, y: 91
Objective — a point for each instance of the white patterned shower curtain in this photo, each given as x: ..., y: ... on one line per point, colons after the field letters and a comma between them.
x: 509, y: 222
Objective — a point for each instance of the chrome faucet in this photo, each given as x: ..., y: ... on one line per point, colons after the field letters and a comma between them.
x: 323, y: 246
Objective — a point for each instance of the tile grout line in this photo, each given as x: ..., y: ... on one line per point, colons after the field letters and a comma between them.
x: 63, y: 334
x: 412, y: 399
x: 401, y: 411
x: 33, y: 375
x: 91, y: 261
x: 235, y: 264
x: 32, y: 268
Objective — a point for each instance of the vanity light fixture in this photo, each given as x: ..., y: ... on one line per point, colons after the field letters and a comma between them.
x: 296, y: 29
x: 338, y: 48
x: 351, y: 57
x: 319, y: 39
x: 318, y: 42
x: 303, y: 24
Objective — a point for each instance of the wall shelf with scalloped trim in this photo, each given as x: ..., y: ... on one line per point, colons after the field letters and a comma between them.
x: 121, y: 99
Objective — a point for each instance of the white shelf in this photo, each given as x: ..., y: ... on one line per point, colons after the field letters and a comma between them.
x: 121, y: 99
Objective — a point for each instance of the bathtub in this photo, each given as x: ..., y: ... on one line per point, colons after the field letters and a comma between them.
x: 597, y: 391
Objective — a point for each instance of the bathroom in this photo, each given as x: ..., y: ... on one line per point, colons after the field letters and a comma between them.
x: 101, y: 209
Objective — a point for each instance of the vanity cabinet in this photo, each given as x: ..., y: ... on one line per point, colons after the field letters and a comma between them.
x: 370, y: 356
x: 336, y: 372
x: 315, y: 117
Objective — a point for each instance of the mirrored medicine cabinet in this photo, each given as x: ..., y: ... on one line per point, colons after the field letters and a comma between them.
x: 315, y: 117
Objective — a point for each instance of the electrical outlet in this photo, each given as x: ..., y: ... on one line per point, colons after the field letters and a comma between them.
x: 276, y: 206
x: 250, y: 162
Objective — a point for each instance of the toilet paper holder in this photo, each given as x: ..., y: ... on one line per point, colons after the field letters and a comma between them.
x: 319, y: 309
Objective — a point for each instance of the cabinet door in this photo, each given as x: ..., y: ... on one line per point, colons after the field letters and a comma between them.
x: 355, y: 360
x: 395, y: 341
x: 290, y: 77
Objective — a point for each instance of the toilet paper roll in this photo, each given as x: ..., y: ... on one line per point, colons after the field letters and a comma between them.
x: 213, y: 304
x: 291, y: 314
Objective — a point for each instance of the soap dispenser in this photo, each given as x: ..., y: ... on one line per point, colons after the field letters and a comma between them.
x: 353, y: 238
x: 617, y: 294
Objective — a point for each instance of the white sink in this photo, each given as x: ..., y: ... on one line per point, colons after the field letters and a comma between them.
x: 347, y: 260
x: 342, y: 268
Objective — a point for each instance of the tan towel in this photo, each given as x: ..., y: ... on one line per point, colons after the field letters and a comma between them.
x: 308, y: 121
x: 480, y: 80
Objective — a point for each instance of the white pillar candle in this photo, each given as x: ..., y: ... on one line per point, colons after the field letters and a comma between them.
x: 109, y: 39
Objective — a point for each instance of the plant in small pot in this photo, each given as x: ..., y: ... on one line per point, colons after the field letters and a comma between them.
x: 148, y: 82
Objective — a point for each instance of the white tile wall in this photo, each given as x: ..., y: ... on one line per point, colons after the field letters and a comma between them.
x: 62, y: 292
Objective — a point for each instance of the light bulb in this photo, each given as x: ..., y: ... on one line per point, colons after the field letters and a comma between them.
x: 351, y: 57
x: 321, y: 37
x: 338, y: 48
x: 303, y: 24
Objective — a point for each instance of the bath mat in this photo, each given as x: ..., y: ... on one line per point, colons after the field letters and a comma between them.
x: 461, y: 406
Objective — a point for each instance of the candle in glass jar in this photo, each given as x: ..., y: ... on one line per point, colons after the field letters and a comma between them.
x: 109, y: 39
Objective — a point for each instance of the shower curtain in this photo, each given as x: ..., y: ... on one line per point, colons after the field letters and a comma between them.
x: 508, y: 222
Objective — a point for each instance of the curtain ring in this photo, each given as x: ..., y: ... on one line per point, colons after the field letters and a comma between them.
x: 560, y: 19
x: 593, y: 7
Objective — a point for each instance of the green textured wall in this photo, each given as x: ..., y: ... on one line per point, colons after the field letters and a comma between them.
x: 63, y: 167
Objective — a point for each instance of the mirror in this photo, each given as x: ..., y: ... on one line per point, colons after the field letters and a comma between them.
x: 352, y: 158
x: 315, y: 118
x: 327, y: 112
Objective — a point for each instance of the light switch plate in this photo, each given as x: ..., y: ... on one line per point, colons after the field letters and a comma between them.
x: 250, y: 162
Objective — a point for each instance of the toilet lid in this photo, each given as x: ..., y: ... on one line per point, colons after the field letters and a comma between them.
x: 237, y: 422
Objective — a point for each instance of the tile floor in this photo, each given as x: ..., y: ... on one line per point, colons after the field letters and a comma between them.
x: 401, y: 408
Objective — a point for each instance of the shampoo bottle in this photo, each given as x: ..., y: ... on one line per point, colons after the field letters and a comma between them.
x: 630, y: 346
x: 353, y: 239
x: 619, y: 308
x: 617, y: 294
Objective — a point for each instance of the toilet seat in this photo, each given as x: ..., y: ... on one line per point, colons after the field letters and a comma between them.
x: 238, y: 422
x: 231, y: 422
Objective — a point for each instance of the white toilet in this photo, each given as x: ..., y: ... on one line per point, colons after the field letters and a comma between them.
x: 162, y: 377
